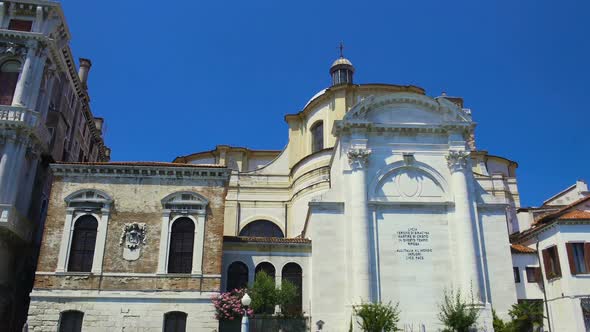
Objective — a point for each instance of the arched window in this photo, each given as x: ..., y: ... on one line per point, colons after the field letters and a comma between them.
x: 175, y: 321
x: 83, y: 244
x: 237, y: 276
x: 9, y: 71
x: 70, y: 321
x: 317, y: 136
x: 182, y: 239
x: 262, y: 228
x: 293, y: 273
x: 267, y: 267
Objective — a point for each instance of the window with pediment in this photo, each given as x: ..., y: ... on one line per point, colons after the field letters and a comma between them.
x: 183, y: 233
x: 84, y: 235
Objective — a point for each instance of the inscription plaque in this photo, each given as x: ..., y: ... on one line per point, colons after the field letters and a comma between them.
x: 413, y: 244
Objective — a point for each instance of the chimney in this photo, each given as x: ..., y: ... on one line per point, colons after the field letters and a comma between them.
x: 85, y: 65
x: 98, y: 122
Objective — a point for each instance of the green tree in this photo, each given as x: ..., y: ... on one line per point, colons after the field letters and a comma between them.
x: 499, y: 324
x: 377, y: 317
x: 456, y: 314
x: 265, y: 295
x: 526, y: 316
x: 286, y: 297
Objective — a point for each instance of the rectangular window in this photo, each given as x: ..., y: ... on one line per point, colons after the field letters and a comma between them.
x: 516, y: 274
x: 533, y: 274
x: 551, y: 262
x: 20, y: 25
x: 578, y: 255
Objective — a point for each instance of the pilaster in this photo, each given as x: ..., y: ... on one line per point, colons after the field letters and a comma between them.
x: 358, y: 159
x: 466, y: 243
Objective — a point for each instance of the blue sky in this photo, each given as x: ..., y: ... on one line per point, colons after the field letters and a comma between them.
x: 172, y: 78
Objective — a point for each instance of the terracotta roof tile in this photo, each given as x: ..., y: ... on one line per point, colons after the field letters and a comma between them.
x: 575, y: 215
x: 549, y: 216
x: 520, y: 249
x: 255, y: 239
x: 140, y: 163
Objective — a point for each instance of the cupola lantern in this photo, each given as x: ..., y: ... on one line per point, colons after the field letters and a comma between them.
x: 341, y: 70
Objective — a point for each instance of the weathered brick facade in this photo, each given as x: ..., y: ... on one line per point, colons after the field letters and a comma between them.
x: 136, y: 191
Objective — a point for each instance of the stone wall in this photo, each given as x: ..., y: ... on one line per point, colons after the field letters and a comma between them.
x: 114, y: 313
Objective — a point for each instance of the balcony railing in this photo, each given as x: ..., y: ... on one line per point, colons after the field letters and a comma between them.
x: 12, y: 221
x: 16, y: 116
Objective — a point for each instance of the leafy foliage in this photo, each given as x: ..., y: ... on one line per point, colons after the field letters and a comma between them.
x: 286, y: 297
x: 498, y: 324
x: 526, y: 316
x: 265, y: 295
x: 456, y: 314
x: 377, y: 317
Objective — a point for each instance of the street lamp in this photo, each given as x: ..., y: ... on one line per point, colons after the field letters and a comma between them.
x: 246, y: 300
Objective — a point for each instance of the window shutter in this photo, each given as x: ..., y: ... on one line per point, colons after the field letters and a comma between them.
x: 546, y: 263
x: 587, y: 256
x: 557, y: 264
x: 570, y: 257
x: 538, y: 276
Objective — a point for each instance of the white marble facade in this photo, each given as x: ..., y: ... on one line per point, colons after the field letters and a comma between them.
x: 398, y: 204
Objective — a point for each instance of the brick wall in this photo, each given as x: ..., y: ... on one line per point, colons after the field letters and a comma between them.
x: 134, y: 200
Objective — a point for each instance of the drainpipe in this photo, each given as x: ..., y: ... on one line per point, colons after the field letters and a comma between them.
x: 543, y: 282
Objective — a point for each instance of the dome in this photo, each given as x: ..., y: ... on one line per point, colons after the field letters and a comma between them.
x: 341, y: 62
x: 341, y: 71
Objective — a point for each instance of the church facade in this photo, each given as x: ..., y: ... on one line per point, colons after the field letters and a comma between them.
x: 379, y: 196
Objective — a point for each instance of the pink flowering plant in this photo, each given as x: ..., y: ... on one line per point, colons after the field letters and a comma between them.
x: 228, y: 305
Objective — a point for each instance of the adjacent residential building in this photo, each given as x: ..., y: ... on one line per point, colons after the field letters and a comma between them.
x: 45, y: 116
x: 130, y: 247
x: 551, y: 257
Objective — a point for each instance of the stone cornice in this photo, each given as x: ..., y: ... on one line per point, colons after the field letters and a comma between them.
x: 341, y: 126
x: 141, y: 171
x: 329, y: 92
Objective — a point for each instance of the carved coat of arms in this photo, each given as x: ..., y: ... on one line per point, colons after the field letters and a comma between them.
x: 134, y: 235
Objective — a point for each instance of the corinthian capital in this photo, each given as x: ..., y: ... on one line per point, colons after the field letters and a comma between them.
x: 358, y: 157
x: 457, y: 160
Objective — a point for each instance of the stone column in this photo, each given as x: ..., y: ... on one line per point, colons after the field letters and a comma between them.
x: 5, y: 161
x: 23, y: 80
x: 163, y: 253
x: 466, y: 241
x: 36, y: 77
x: 358, y: 159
